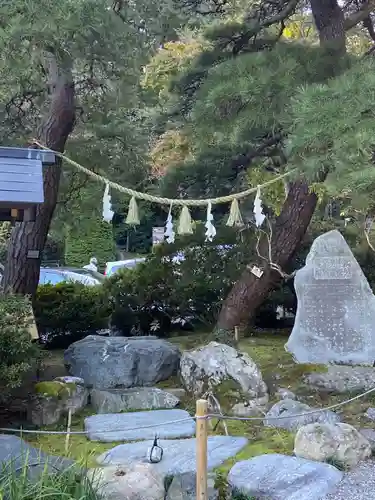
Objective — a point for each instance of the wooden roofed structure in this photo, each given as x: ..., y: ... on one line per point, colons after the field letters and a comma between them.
x: 21, y: 182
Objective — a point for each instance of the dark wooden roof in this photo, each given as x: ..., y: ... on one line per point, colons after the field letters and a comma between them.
x: 21, y: 176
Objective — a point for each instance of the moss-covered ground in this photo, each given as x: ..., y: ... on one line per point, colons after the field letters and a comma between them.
x: 278, y: 370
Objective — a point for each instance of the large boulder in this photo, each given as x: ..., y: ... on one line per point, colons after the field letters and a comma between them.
x: 338, y: 443
x: 134, y: 482
x: 278, y: 477
x: 54, y: 399
x: 136, y: 398
x: 291, y: 415
x: 335, y: 317
x: 369, y: 434
x: 110, y: 362
x: 224, y: 371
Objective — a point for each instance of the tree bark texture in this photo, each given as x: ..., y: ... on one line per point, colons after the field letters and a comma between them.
x: 22, y: 273
x: 330, y: 23
x: 288, y: 231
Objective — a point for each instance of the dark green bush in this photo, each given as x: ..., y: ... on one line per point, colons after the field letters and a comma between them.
x: 5, y: 230
x: 53, y: 249
x: 67, y: 312
x: 154, y: 296
x: 161, y: 294
x: 17, y: 351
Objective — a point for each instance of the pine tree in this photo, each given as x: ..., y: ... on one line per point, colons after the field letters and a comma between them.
x: 251, y: 100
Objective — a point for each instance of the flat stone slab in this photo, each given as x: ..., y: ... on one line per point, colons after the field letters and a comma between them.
x: 16, y: 455
x: 280, y: 477
x: 136, y: 398
x: 341, y: 379
x: 110, y: 427
x: 179, y: 456
x: 357, y: 484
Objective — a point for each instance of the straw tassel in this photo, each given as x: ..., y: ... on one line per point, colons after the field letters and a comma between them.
x: 184, y: 223
x: 132, y: 218
x: 235, y: 217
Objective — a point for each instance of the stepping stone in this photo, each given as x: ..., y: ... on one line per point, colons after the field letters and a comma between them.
x: 179, y: 456
x: 112, y: 427
x: 17, y: 456
x: 280, y: 477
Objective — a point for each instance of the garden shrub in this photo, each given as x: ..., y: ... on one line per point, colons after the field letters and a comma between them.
x: 160, y: 295
x: 53, y: 249
x: 17, y: 351
x: 68, y: 312
x: 5, y: 230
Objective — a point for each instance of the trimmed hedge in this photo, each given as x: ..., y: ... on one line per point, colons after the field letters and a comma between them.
x: 93, y: 239
x: 68, y: 312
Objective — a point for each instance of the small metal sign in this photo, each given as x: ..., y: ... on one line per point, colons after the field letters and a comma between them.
x: 33, y: 254
x: 157, y: 235
x: 257, y: 271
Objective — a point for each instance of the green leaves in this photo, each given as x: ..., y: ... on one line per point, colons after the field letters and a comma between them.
x: 332, y: 129
x: 17, y: 352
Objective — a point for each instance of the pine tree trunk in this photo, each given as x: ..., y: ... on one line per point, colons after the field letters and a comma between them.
x: 330, y: 23
x: 22, y: 273
x: 288, y: 231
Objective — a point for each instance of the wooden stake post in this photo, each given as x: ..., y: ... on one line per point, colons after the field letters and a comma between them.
x: 236, y: 334
x: 68, y: 428
x: 201, y: 433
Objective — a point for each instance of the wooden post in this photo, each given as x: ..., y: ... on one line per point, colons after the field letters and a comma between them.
x: 201, y: 434
x: 68, y: 427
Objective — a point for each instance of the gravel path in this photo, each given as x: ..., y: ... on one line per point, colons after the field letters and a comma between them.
x: 358, y: 484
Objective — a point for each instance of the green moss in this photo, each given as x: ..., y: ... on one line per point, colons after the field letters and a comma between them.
x: 228, y: 394
x: 304, y: 369
x: 172, y: 382
x: 55, y: 389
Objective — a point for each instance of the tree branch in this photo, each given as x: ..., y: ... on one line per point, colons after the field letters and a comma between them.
x: 287, y: 11
x: 365, y: 10
x: 367, y: 23
x: 217, y: 8
x: 243, y: 159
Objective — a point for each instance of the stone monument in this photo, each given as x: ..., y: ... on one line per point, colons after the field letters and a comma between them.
x: 335, y: 320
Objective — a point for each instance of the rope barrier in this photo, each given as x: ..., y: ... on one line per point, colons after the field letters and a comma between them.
x: 218, y: 416
x: 284, y: 417
x: 160, y: 200
x: 81, y: 433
